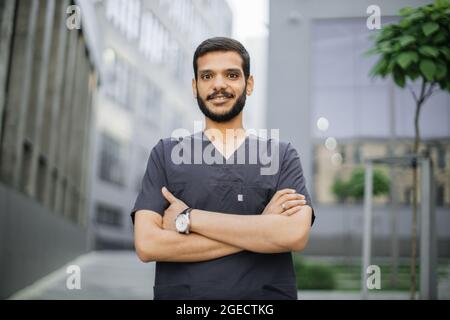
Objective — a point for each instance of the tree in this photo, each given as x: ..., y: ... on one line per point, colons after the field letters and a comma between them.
x: 416, y: 49
x: 354, y: 186
x: 340, y: 189
x: 356, y: 183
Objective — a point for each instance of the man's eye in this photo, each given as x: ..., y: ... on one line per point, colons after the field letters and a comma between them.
x: 206, y: 77
x: 233, y: 75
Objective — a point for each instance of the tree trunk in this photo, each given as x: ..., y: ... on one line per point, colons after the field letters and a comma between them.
x: 419, y: 103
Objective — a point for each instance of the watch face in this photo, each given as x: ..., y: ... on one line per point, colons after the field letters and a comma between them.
x: 181, y: 223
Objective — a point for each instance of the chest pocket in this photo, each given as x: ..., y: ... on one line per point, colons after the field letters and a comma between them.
x: 223, y: 196
x: 238, y: 198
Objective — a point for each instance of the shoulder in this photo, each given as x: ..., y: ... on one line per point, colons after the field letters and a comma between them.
x: 168, y: 143
x: 273, y: 144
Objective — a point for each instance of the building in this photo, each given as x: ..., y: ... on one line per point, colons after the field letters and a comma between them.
x: 350, y: 154
x: 145, y: 95
x: 321, y: 98
x: 48, y: 81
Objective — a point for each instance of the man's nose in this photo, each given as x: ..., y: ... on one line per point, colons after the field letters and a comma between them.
x: 219, y: 83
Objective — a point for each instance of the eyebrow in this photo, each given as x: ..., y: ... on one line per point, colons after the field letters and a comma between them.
x: 227, y: 70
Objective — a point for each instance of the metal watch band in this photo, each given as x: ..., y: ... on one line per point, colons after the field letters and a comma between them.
x: 186, y: 212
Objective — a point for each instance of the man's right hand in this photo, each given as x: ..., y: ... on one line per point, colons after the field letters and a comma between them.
x: 285, y: 202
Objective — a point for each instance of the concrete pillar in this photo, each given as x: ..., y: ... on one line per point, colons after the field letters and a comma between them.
x: 84, y: 143
x: 55, y: 101
x: 367, y: 231
x: 41, y: 87
x: 88, y: 157
x: 6, y: 30
x: 19, y: 84
x: 64, y: 120
x: 288, y: 107
x: 74, y: 139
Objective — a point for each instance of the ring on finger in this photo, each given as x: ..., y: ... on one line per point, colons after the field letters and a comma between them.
x: 283, y: 206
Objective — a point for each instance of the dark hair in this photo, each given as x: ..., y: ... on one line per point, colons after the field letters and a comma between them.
x: 223, y: 44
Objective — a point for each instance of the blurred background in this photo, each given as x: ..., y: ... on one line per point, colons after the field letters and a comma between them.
x: 88, y: 87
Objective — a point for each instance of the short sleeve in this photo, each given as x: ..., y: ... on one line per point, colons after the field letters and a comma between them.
x: 291, y: 176
x: 150, y: 196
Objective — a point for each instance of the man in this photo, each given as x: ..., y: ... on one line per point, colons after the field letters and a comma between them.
x: 221, y: 230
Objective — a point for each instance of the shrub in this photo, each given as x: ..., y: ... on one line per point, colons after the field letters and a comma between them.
x: 354, y: 186
x: 313, y: 276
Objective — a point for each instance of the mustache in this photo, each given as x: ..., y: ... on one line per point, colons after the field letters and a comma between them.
x: 221, y: 93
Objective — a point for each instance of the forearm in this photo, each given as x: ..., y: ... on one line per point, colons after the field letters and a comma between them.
x: 268, y: 233
x: 171, y: 246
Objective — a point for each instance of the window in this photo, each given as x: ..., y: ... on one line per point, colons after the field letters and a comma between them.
x: 125, y: 16
x: 159, y: 47
x: 342, y: 151
x: 108, y: 215
x: 153, y: 35
x: 119, y: 83
x: 152, y: 102
x: 149, y: 100
x: 357, y: 154
x: 440, y: 195
x: 111, y: 160
x: 408, y: 196
x: 441, y: 157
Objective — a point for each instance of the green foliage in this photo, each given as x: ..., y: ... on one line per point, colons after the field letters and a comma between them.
x: 340, y: 190
x: 354, y: 186
x: 313, y: 276
x: 417, y: 46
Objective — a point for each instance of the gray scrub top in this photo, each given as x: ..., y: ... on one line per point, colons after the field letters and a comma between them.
x: 233, y: 187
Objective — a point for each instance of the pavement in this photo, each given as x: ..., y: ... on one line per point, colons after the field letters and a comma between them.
x: 120, y: 275
x: 105, y: 275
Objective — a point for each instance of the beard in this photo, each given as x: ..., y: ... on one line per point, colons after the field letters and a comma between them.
x: 227, y: 116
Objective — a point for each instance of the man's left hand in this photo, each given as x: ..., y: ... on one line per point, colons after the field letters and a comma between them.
x: 175, y: 208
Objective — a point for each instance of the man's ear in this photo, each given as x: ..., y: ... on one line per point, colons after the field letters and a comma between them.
x: 250, y: 85
x: 194, y: 88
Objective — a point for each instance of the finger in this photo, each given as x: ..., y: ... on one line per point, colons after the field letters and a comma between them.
x: 294, y: 203
x: 291, y: 211
x: 288, y: 197
x: 169, y: 196
x: 282, y: 192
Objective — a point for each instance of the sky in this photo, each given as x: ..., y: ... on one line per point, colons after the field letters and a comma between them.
x: 251, y: 18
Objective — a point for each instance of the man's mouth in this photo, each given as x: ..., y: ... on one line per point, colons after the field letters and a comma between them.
x: 220, y: 98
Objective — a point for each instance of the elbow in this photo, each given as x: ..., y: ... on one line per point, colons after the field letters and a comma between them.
x: 144, y: 256
x: 145, y: 252
x: 300, y: 233
x: 298, y: 242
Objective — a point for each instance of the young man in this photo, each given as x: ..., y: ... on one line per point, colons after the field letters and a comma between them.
x: 222, y: 229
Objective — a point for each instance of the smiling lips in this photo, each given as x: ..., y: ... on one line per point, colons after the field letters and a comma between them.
x: 221, y: 98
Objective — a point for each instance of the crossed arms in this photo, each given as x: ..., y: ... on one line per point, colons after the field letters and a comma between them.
x: 214, y: 235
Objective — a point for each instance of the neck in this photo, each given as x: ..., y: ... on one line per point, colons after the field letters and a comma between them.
x: 234, y: 126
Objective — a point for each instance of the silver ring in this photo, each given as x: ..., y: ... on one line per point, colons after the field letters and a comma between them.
x: 282, y: 206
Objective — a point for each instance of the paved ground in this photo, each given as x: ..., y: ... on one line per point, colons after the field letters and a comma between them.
x: 104, y: 275
x: 120, y: 275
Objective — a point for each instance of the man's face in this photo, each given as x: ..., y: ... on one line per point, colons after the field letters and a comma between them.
x: 220, y: 86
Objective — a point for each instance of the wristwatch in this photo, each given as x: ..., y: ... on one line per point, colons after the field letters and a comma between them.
x: 183, y: 221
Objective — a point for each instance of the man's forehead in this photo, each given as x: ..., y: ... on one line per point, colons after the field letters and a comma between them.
x: 220, y: 60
